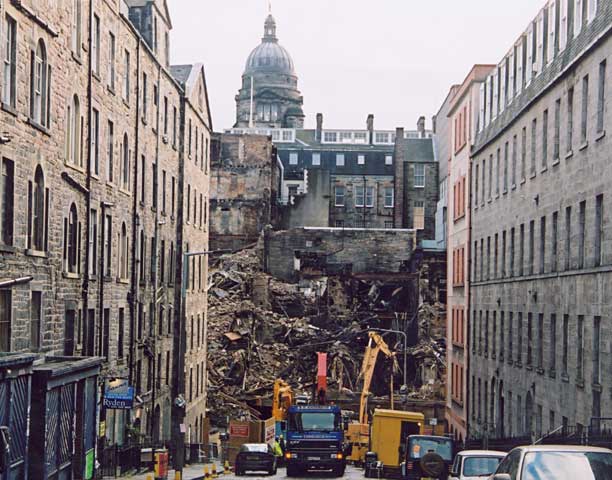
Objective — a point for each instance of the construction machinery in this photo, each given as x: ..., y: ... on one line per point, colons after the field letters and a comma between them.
x: 358, y: 434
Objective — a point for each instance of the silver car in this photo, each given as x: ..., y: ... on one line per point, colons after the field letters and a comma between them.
x: 558, y: 462
x: 475, y: 464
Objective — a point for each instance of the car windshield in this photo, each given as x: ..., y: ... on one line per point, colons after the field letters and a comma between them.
x: 477, y: 466
x: 423, y: 445
x: 254, y: 448
x: 315, y: 421
x: 567, y: 466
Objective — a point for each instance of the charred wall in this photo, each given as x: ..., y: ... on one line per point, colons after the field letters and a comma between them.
x: 244, y: 189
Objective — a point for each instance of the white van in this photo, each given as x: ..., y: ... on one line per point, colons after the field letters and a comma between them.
x: 475, y: 464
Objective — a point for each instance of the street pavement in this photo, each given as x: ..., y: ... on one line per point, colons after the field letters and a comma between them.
x: 196, y: 472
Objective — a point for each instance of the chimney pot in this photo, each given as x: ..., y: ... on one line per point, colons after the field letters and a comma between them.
x: 319, y: 131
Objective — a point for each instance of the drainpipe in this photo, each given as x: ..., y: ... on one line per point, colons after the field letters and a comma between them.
x: 154, y: 253
x: 134, y: 292
x: 180, y: 335
x: 468, y: 295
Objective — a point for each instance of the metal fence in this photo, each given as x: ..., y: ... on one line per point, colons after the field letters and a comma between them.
x: 598, y: 434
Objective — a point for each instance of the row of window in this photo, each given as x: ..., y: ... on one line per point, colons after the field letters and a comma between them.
x: 489, y: 268
x: 545, y: 37
x: 458, y: 326
x: 196, y: 389
x: 364, y: 196
x: 340, y: 159
x: 504, y: 413
x: 458, y: 266
x: 457, y: 372
x: 508, y: 173
x: 487, y: 327
x: 461, y: 129
x: 459, y: 196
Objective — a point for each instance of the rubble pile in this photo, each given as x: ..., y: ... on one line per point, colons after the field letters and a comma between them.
x: 261, y: 329
x: 252, y: 343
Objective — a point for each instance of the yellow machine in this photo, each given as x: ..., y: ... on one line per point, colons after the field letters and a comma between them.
x: 390, y: 428
x: 282, y: 400
x: 358, y: 433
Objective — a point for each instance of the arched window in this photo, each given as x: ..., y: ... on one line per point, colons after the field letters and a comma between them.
x: 38, y: 199
x: 125, y: 163
x: 39, y: 89
x: 71, y: 241
x: 73, y: 133
x: 123, y: 252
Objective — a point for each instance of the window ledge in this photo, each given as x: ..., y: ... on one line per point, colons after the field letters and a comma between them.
x: 73, y: 276
x: 523, y: 181
x: 540, y: 370
x: 165, y: 139
x: 123, y: 281
x: 125, y: 192
x: 505, y: 191
x: 519, y: 365
x: 529, y: 368
x: 7, y: 248
x: 96, y: 75
x: 144, y: 121
x: 38, y: 127
x: 9, y: 109
x: 569, y: 154
x: 600, y: 135
x: 597, y: 387
x: 556, y: 162
x: 36, y: 253
x: 108, y: 278
x: 532, y: 176
x: 510, y: 362
x: 544, y: 169
x: 126, y: 103
x: 513, y: 186
x: 552, y: 373
x: 583, y: 146
x: 111, y: 90
x: 74, y: 167
x: 580, y: 383
x: 565, y: 377
x: 76, y: 57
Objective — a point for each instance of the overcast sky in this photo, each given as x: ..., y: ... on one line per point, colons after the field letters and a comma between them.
x: 394, y: 58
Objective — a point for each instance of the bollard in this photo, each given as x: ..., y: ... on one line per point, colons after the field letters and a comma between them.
x: 214, y: 470
x: 177, y: 475
x: 149, y: 477
x: 206, y: 474
x: 226, y: 468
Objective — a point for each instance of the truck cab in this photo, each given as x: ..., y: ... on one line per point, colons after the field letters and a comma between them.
x: 315, y: 440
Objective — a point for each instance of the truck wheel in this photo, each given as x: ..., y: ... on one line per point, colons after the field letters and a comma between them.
x: 339, y: 471
x: 292, y: 471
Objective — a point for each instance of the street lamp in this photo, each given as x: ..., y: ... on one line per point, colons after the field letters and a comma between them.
x: 405, y: 386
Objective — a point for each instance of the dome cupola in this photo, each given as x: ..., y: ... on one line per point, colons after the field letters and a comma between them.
x: 269, y: 56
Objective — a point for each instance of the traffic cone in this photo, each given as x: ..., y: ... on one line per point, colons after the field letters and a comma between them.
x: 206, y: 474
x: 214, y: 470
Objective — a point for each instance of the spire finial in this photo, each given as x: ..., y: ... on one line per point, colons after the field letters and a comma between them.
x: 270, y: 7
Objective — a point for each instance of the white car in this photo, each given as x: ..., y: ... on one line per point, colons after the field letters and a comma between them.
x: 475, y: 464
x: 555, y: 462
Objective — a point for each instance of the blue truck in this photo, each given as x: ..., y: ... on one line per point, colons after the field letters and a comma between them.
x: 315, y: 440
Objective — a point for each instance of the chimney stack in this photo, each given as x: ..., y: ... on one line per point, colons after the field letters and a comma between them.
x: 319, y: 132
x: 370, y: 126
x: 421, y: 127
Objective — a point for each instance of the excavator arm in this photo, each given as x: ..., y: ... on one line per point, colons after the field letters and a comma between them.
x: 376, y: 345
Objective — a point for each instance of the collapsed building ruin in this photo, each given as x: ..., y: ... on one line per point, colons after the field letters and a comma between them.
x: 275, y: 305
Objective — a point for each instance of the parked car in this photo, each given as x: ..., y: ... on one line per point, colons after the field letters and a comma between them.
x: 475, y: 464
x: 558, y: 462
x: 427, y: 456
x: 255, y: 457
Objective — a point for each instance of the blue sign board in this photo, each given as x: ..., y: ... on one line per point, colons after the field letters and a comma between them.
x: 118, y: 395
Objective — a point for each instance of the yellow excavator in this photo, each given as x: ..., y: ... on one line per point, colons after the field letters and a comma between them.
x: 358, y: 434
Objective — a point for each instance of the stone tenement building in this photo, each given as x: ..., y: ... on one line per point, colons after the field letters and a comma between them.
x: 541, y: 286
x: 245, y: 181
x: 462, y: 116
x: 350, y: 179
x: 104, y: 158
x: 269, y: 96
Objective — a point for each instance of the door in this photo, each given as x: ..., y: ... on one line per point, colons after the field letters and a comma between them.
x: 407, y: 429
x: 70, y: 317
